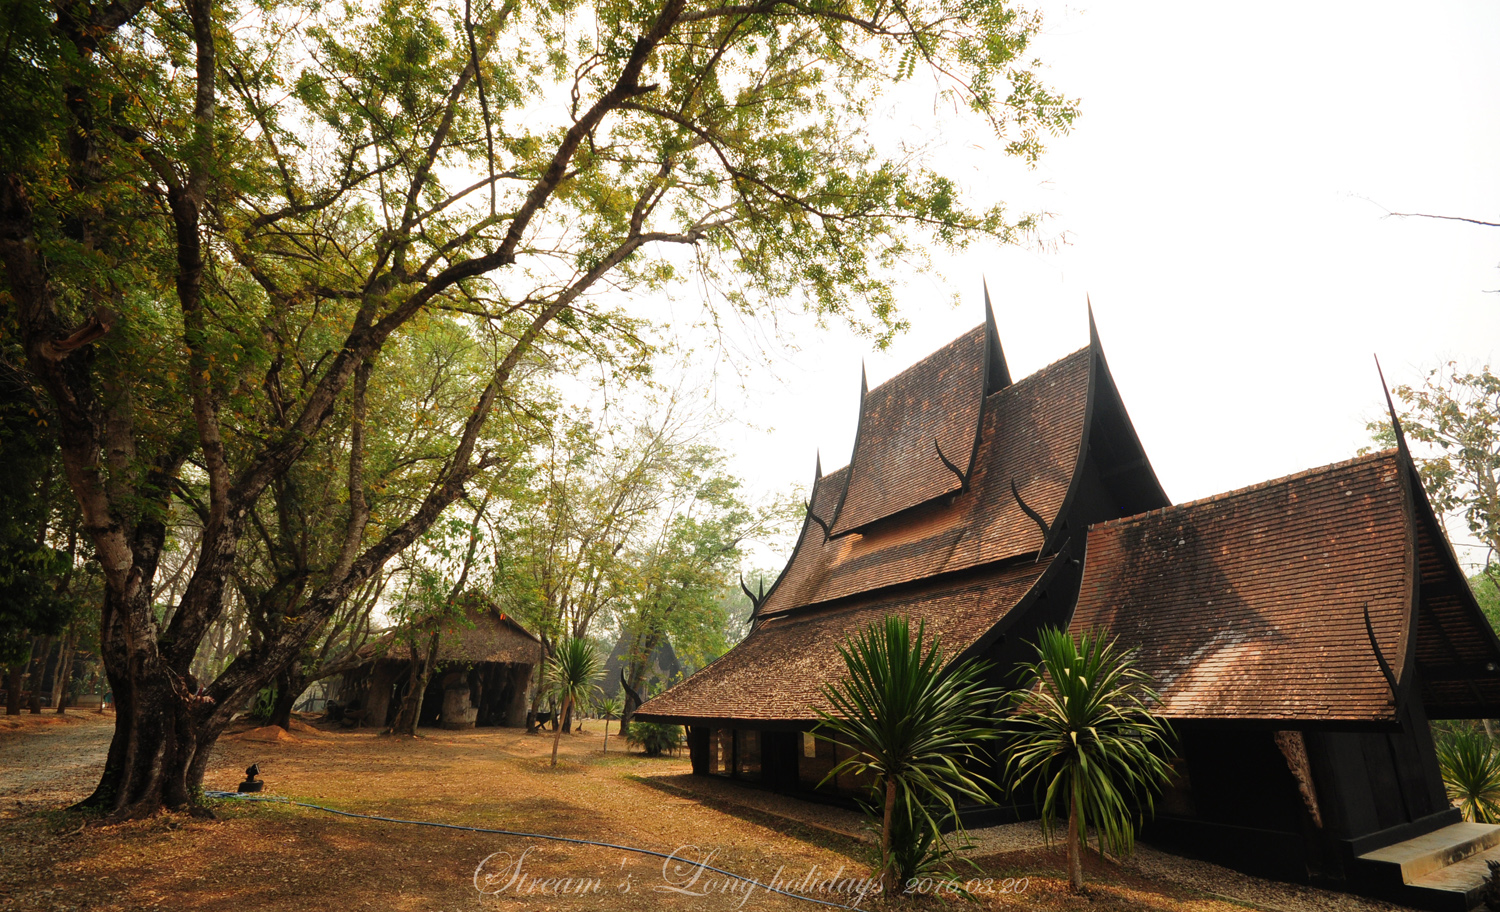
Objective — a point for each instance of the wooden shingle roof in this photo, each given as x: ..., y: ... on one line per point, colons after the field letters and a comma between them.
x: 489, y: 635
x: 1031, y: 434
x: 1251, y: 604
x: 908, y: 426
x: 774, y: 675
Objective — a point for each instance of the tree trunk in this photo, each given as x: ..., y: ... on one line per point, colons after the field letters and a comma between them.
x: 289, y: 685
x: 1075, y: 850
x: 63, y: 675
x: 557, y: 736
x: 890, y: 877
x: 50, y: 664
x: 159, y: 750
x: 411, y: 705
x: 38, y: 671
x: 532, y: 725
x: 164, y: 732
x: 13, y: 688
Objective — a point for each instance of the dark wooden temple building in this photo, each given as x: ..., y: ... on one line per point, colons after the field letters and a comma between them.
x: 1302, y: 631
x: 483, y: 674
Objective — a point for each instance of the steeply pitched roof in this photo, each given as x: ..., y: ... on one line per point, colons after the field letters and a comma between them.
x: 1456, y: 648
x: 1031, y: 434
x: 931, y: 407
x: 775, y: 673
x: 1251, y: 604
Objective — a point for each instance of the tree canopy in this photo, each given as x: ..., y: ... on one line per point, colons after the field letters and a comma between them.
x: 306, y: 268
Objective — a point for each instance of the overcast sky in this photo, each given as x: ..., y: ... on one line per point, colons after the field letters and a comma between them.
x: 1223, y: 203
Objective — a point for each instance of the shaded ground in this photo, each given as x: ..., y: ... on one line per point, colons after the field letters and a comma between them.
x: 276, y: 857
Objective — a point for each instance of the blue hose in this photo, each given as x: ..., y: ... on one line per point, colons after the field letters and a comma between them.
x: 468, y: 829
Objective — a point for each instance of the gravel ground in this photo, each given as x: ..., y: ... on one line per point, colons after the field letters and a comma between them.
x: 841, y: 821
x: 1028, y: 837
x: 1209, y: 878
x: 49, y: 760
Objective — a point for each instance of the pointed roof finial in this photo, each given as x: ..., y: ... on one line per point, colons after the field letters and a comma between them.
x: 1395, y: 421
x: 998, y: 377
x: 1093, y: 327
x: 864, y: 382
x: 818, y: 466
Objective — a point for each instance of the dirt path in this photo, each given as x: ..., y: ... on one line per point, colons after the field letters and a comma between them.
x: 49, y: 760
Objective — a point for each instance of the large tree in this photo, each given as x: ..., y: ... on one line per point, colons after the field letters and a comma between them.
x: 220, y: 220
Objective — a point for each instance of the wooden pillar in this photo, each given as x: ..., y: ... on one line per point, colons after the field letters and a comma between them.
x: 697, y: 738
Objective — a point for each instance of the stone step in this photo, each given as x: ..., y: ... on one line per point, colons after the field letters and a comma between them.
x: 1425, y: 855
x: 1444, y: 887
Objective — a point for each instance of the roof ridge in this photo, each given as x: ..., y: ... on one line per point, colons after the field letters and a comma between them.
x: 1248, y: 489
x: 951, y: 343
x: 1041, y: 372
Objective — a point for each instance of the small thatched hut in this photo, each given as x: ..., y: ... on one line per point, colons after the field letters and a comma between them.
x: 483, y: 674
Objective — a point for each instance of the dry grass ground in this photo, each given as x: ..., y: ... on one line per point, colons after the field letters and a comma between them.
x: 274, y: 857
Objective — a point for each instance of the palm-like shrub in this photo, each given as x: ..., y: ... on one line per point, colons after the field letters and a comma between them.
x: 610, y: 708
x: 1084, y: 737
x: 655, y: 738
x: 1470, y: 765
x: 575, y: 667
x: 916, y: 731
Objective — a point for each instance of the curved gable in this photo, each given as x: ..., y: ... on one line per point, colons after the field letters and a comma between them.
x: 909, y: 426
x: 1031, y: 435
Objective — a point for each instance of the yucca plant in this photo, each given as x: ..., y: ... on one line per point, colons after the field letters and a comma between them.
x: 1470, y: 765
x: 575, y: 667
x: 610, y: 708
x: 917, y: 731
x: 1082, y: 734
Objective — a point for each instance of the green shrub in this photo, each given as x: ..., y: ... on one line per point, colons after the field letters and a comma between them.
x: 655, y: 737
x: 1084, y: 738
x: 1470, y: 765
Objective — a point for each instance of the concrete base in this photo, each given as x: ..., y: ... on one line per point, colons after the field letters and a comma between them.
x: 1443, y: 871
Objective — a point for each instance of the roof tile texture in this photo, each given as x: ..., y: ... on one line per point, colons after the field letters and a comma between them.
x: 935, y: 402
x: 775, y: 673
x: 1032, y: 432
x: 1249, y: 605
x: 487, y: 636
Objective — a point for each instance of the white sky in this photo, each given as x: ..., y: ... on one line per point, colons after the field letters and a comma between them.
x: 1223, y: 202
